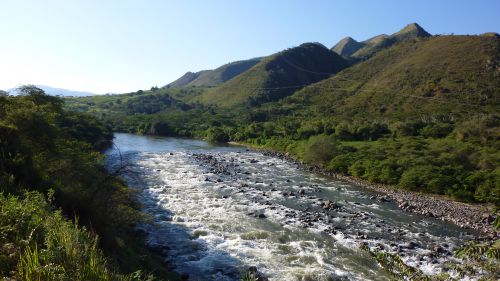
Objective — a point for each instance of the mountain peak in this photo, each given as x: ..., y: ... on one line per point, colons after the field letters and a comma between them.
x: 348, y: 39
x: 414, y: 30
x: 413, y: 25
x: 347, y: 46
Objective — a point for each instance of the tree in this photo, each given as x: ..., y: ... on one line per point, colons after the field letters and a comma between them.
x: 216, y: 134
x: 160, y: 128
x: 321, y: 149
x: 39, y: 97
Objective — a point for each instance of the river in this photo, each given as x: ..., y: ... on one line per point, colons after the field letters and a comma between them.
x: 220, y: 210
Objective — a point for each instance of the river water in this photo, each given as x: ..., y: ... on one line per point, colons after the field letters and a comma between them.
x: 222, y: 210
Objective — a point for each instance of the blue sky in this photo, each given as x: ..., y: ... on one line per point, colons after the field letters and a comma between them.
x: 121, y: 46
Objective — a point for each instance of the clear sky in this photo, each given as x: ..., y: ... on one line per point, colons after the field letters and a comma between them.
x: 120, y: 46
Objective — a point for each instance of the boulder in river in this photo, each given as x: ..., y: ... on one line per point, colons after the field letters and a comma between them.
x: 329, y: 205
x: 254, y: 274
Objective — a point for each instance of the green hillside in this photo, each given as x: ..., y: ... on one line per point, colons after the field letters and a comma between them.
x: 277, y: 76
x: 446, y: 75
x: 210, y: 78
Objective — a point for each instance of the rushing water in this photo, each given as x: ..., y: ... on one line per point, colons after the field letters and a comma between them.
x: 220, y: 210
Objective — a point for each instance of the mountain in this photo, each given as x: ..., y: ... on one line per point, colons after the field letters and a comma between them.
x: 365, y: 49
x: 444, y: 75
x: 277, y: 76
x: 56, y: 92
x: 347, y: 46
x: 210, y: 78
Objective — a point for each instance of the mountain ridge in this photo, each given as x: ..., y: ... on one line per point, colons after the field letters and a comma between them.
x: 367, y: 48
x: 214, y: 77
x: 277, y: 76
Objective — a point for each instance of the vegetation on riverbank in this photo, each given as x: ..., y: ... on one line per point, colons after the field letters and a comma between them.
x: 62, y: 215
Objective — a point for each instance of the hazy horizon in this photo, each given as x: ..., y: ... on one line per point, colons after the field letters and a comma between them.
x: 124, y: 46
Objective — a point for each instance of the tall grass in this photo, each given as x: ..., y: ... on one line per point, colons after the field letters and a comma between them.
x: 42, y: 245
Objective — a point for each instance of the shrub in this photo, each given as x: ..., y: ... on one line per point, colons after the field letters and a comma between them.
x: 439, y: 130
x: 160, y: 128
x: 383, y: 172
x: 358, y: 169
x: 216, y: 134
x: 321, y: 149
x: 340, y: 164
x: 417, y: 177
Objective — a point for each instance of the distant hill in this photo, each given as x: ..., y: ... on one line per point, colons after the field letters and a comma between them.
x: 449, y: 75
x: 56, y: 92
x: 277, y: 76
x: 210, y: 78
x: 365, y: 49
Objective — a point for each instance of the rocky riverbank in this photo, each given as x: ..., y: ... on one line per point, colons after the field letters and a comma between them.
x: 477, y: 217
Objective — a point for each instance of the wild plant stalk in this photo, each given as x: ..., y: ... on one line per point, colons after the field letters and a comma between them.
x: 249, y: 276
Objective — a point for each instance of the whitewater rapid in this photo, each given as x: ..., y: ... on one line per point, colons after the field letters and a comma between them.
x: 220, y: 211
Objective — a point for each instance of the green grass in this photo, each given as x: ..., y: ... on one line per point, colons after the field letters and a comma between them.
x: 40, y: 244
